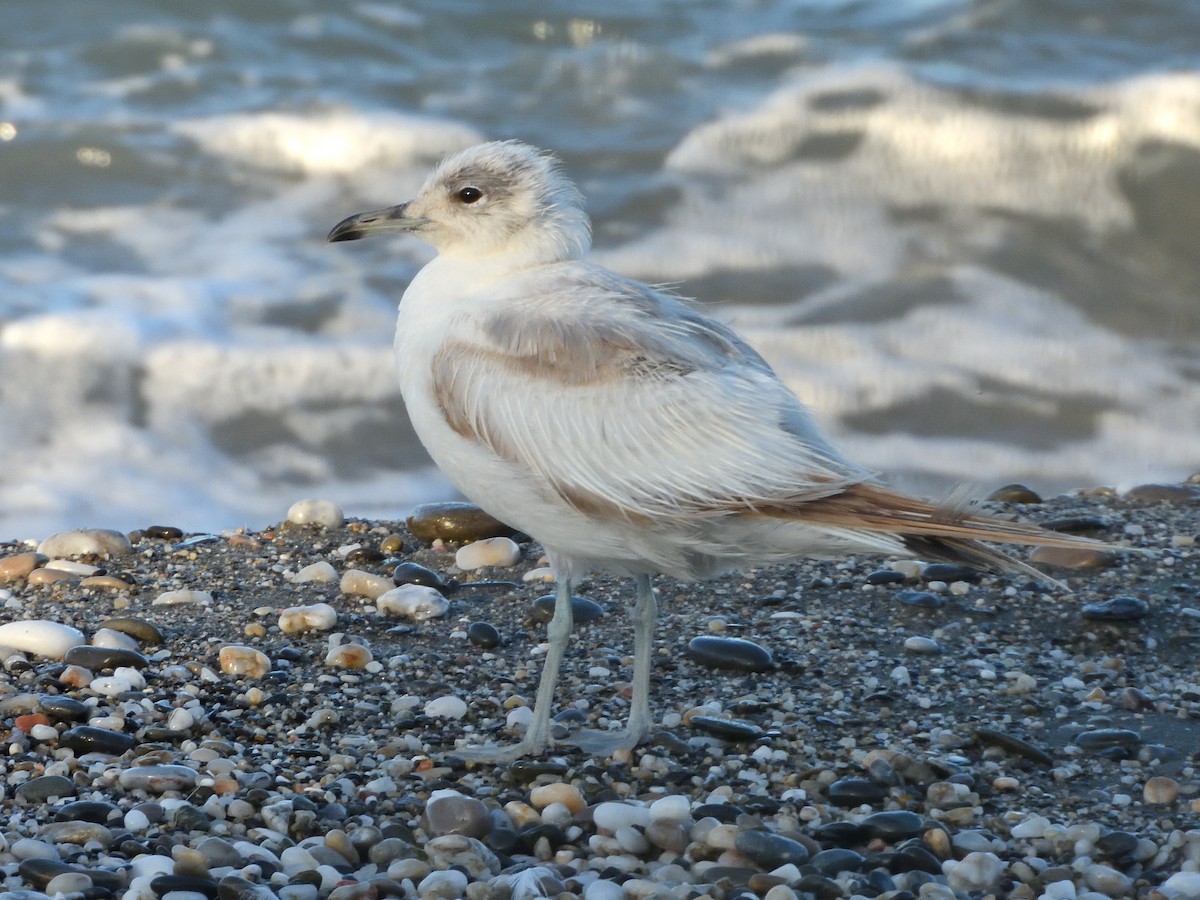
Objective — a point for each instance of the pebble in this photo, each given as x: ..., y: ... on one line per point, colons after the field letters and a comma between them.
x: 583, y: 610
x: 1160, y: 790
x: 977, y: 871
x: 413, y: 601
x: 462, y: 851
x: 855, y: 791
x: 323, y: 513
x: 922, y: 645
x: 769, y: 850
x: 243, y: 662
x: 1107, y: 881
x: 415, y: 573
x: 158, y: 779
x: 139, y: 629
x: 611, y: 816
x: 364, y: 584
x: 447, y: 883
x: 349, y: 656
x: 558, y: 792
x: 321, y: 572
x: 1014, y: 493
x: 487, y: 553
x: 1163, y: 493
x: 99, y: 542
x: 44, y: 787
x: 450, y: 812
x: 1117, y: 609
x: 184, y: 597
x: 483, y: 634
x: 446, y: 707
x: 455, y: 522
x: 1184, y: 884
x: 893, y: 826
x: 726, y: 729
x: 110, y: 638
x: 100, y: 659
x: 41, y: 637
x: 19, y: 565
x: 1071, y: 558
x: 729, y: 653
x: 314, y: 617
x: 920, y: 599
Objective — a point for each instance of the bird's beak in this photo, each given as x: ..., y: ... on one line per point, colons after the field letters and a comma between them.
x: 377, y: 221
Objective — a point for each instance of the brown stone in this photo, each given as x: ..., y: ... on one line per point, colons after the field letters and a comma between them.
x: 1071, y: 558
x: 13, y: 568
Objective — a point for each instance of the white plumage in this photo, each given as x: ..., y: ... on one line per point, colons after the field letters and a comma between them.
x: 611, y: 421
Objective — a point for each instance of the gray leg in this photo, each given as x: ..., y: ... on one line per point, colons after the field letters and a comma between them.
x: 537, y: 737
x: 644, y: 615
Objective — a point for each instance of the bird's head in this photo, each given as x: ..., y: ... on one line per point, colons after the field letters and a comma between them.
x: 500, y: 197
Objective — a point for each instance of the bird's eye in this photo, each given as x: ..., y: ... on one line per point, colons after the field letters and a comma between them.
x: 470, y: 194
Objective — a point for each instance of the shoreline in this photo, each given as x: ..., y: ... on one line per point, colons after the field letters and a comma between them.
x: 1008, y: 736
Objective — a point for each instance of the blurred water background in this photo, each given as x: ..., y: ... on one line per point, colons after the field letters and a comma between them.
x: 965, y: 232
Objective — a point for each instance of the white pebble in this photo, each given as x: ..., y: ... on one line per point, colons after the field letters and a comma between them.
x: 919, y: 644
x: 413, y: 601
x: 545, y: 575
x: 445, y: 883
x: 675, y: 808
x: 43, y: 733
x: 975, y: 872
x: 86, y: 542
x: 113, y: 640
x: 364, y: 584
x: 320, y: 572
x: 72, y: 567
x: 349, y: 656
x: 518, y: 719
x: 28, y: 848
x: 240, y: 660
x: 325, y: 513
x: 447, y: 707
x: 123, y: 678
x: 136, y: 820
x: 1059, y: 890
x: 603, y: 890
x: 1030, y: 828
x: 41, y: 636
x: 1107, y: 880
x: 314, y: 617
x: 900, y: 676
x: 611, y: 815
x: 496, y: 551
x: 183, y: 597
x: 1185, y: 884
x: 180, y: 719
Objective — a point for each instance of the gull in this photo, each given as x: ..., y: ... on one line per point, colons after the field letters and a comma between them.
x: 614, y: 423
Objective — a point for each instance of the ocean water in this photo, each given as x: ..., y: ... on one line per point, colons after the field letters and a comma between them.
x: 965, y: 232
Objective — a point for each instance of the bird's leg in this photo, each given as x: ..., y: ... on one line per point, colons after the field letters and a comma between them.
x: 645, y: 611
x: 537, y: 736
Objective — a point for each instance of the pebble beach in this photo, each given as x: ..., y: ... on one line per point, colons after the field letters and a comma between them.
x: 281, y: 713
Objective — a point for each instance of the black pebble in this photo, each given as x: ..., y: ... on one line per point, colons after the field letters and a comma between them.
x: 835, y: 860
x: 886, y: 576
x: 99, y: 659
x: 89, y: 739
x: 583, y: 610
x: 483, y: 634
x: 893, y: 826
x: 770, y: 850
x: 414, y: 573
x: 730, y: 653
x: 921, y: 599
x: 727, y: 729
x: 855, y: 791
x: 1117, y: 609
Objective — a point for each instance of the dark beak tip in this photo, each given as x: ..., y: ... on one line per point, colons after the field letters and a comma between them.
x: 344, y: 234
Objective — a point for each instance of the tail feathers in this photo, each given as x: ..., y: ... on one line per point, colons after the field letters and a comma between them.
x: 944, y: 532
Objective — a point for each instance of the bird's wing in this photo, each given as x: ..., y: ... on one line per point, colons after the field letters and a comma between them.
x: 623, y: 400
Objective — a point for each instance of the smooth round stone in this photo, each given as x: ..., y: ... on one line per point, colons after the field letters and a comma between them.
x: 75, y: 832
x: 459, y: 850
x: 180, y: 885
x: 323, y: 513
x: 1105, y: 738
x: 726, y: 729
x: 100, y: 658
x: 886, y: 576
x: 1071, y: 558
x: 729, y: 653
x: 1160, y: 790
x: 769, y: 850
x: 69, y: 883
x: 219, y: 852
x: 854, y: 792
x: 920, y: 599
x: 364, y: 584
x: 413, y: 601
x: 915, y: 858
x: 158, y: 779
x: 836, y: 860
x: 186, y: 597
x: 140, y: 629
x: 98, y: 811
x: 1184, y: 884
x: 975, y: 872
x: 1014, y: 744
x: 839, y: 834
x: 488, y: 553
x: 19, y: 565
x: 448, y: 884
x: 414, y: 573
x: 39, y: 871
x: 530, y: 769
x: 446, y: 707
x: 924, y: 646
x: 558, y: 792
x: 893, y: 825
x: 321, y: 572
x: 1116, y: 609
x: 63, y: 709
x: 313, y: 617
x: 163, y: 532
x: 234, y: 887
x: 455, y: 522
x: 1014, y: 493
x: 243, y: 662
x: 673, y: 808
x: 583, y: 610
x: 483, y: 634
x: 87, y: 739
x: 1107, y: 880
x: 449, y: 812
x: 1116, y: 844
x: 361, y: 556
x: 349, y: 656
x: 41, y: 637
x: 1163, y: 493
x: 100, y: 542
x: 42, y: 788
x: 611, y: 816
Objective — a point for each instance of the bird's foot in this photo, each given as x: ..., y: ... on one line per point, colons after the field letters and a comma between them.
x: 608, y: 743
x: 494, y: 753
